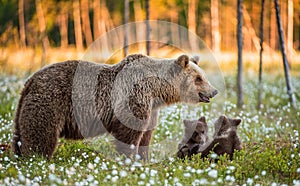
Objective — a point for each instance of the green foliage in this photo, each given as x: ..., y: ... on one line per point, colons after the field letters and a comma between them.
x: 270, y: 153
x: 8, y: 14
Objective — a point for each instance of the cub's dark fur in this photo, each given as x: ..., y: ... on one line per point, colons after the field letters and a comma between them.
x: 195, y: 132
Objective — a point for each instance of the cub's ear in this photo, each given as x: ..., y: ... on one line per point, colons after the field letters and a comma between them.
x: 186, y: 123
x: 195, y: 59
x: 182, y: 61
x: 202, y: 119
x: 236, y: 122
x: 223, y: 118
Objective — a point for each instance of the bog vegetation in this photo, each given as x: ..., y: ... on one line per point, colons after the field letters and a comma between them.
x: 36, y: 32
x: 270, y: 136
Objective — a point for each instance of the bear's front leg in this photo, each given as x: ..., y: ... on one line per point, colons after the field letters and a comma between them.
x: 143, y: 149
x: 127, y: 140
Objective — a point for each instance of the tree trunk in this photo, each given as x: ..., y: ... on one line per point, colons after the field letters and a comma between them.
x: 42, y: 28
x: 215, y: 32
x: 240, y: 100
x: 251, y: 31
x: 126, y: 28
x: 290, y: 26
x: 272, y: 28
x: 261, y: 35
x: 77, y: 25
x: 22, y: 24
x: 84, y: 6
x: 147, y: 28
x: 192, y: 23
x: 140, y: 29
x: 97, y: 19
x: 284, y: 58
x: 63, y: 27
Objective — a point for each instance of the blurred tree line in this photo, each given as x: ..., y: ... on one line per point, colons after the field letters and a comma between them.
x: 62, y: 23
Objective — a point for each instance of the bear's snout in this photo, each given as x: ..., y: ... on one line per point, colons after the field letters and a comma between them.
x: 214, y: 93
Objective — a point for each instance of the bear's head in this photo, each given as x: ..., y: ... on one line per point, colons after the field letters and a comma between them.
x: 194, y: 86
x: 196, y: 130
x: 224, y: 125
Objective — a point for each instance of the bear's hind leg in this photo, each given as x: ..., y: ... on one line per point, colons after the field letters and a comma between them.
x: 39, y: 129
x: 143, y: 149
x: 43, y: 144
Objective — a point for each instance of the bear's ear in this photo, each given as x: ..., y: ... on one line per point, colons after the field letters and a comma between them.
x: 236, y: 122
x: 195, y: 59
x: 202, y: 119
x: 182, y: 61
x: 186, y: 123
x: 222, y: 118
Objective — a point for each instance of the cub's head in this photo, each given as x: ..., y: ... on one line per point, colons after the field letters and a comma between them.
x: 196, y: 130
x: 194, y: 86
x: 224, y: 125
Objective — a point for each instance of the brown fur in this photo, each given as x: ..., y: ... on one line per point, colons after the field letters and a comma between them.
x: 78, y: 99
x: 5, y: 147
x: 225, y: 141
x: 195, y: 132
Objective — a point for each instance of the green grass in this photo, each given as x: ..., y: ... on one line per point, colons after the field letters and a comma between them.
x: 270, y: 136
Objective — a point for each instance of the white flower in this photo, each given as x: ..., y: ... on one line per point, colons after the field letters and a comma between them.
x: 231, y: 167
x: 250, y: 181
x: 103, y: 166
x: 228, y: 178
x: 296, y: 182
x: 212, y: 165
x: 213, y: 173
x: 132, y: 146
x: 90, y: 166
x: 19, y: 143
x: 137, y: 157
x: 52, y: 167
x: 90, y: 178
x: 219, y: 180
x: 141, y: 183
x: 263, y: 172
x: 136, y: 164
x: 298, y: 170
x: 199, y: 171
x: 21, y: 177
x: 203, y: 181
x: 187, y: 174
x: 213, y: 156
x: 151, y: 181
x: 127, y: 161
x: 178, y: 184
x: 123, y: 173
x: 52, y: 177
x: 96, y: 160
x: 143, y: 176
x: 108, y: 177
x: 114, y: 172
x: 114, y: 179
x: 153, y: 172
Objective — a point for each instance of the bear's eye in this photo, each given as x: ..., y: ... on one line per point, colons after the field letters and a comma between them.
x: 199, y: 79
x: 195, y: 134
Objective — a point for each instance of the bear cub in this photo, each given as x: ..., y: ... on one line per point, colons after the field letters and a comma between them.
x: 225, y: 139
x: 195, y: 132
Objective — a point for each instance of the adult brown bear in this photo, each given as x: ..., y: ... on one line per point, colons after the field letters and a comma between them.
x: 78, y: 99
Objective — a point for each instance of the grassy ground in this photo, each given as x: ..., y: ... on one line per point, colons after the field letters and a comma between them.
x: 270, y: 136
